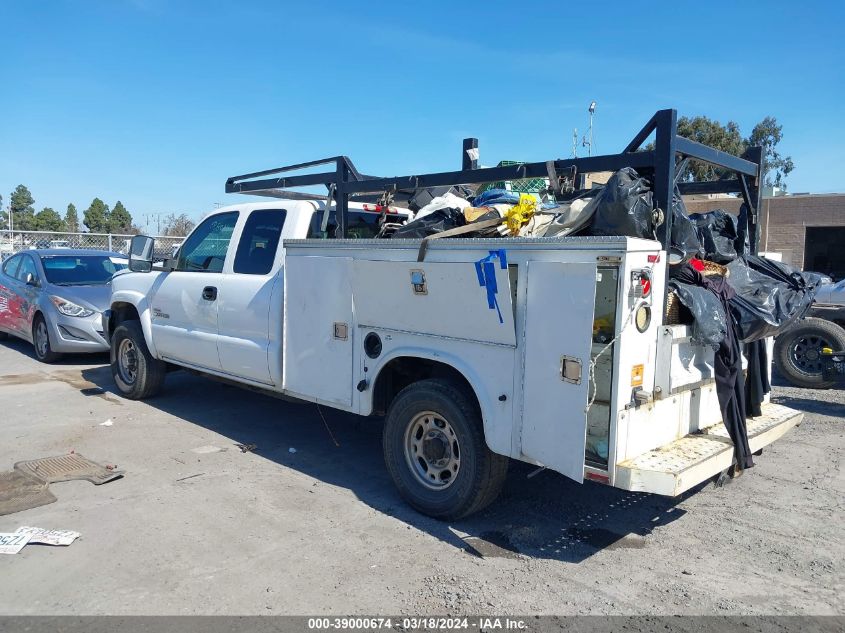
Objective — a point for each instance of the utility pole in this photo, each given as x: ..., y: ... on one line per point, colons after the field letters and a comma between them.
x: 575, y: 143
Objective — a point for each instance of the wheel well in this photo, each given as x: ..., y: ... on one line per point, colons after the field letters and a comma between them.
x: 120, y: 312
x: 405, y: 370
x: 35, y: 315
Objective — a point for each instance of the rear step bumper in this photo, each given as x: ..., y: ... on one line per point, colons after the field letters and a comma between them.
x: 686, y: 462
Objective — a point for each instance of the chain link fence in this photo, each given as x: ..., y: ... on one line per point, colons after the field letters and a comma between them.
x: 12, y: 242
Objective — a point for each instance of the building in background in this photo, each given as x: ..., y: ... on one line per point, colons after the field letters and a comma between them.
x: 807, y: 229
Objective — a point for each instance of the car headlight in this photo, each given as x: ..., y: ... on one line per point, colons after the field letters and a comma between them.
x: 69, y: 308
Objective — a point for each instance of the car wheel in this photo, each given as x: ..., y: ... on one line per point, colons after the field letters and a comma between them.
x: 136, y: 373
x: 798, y: 351
x: 41, y: 341
x: 436, y: 454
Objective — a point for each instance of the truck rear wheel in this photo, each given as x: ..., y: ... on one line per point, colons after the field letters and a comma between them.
x: 798, y: 351
x: 435, y: 451
x: 136, y: 373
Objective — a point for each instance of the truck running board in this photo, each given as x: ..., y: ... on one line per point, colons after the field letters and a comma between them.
x: 690, y: 460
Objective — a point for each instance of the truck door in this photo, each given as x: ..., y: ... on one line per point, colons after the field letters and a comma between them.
x: 246, y: 310
x: 556, y: 348
x: 185, y: 304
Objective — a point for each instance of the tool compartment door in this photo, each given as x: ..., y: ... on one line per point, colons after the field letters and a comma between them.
x: 556, y: 346
x: 318, y: 329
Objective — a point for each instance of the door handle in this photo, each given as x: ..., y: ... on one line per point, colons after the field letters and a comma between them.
x: 209, y: 293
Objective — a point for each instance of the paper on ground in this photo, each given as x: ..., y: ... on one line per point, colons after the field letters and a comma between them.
x: 48, y: 537
x: 12, y: 543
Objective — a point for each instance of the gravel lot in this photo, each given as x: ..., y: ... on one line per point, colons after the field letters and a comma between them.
x: 321, y: 530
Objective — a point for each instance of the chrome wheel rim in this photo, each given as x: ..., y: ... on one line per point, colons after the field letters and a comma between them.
x: 127, y: 361
x: 806, y: 353
x: 432, y: 450
x: 42, y: 340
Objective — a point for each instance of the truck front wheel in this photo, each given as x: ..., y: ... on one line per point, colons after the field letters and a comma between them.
x: 435, y: 451
x: 136, y: 373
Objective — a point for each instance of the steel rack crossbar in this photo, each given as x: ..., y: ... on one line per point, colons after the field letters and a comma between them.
x: 662, y: 165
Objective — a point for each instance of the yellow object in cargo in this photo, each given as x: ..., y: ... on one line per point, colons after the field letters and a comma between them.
x: 519, y: 214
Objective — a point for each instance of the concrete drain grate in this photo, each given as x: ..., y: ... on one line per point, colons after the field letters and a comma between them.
x: 19, y: 491
x: 67, y: 467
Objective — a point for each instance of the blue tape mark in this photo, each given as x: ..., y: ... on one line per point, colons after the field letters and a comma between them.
x: 486, y: 271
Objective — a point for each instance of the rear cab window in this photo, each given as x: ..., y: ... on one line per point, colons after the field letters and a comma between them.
x: 259, y: 242
x: 362, y: 224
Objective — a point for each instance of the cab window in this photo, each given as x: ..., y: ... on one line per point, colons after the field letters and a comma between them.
x: 259, y: 242
x: 362, y: 224
x: 205, y: 249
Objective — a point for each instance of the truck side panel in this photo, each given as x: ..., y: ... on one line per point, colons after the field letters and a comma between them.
x: 319, y: 322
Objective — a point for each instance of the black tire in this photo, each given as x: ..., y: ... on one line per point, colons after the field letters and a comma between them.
x: 43, y: 349
x: 796, y: 351
x: 136, y: 373
x: 479, y: 473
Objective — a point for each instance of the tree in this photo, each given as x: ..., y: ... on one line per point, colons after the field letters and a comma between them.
x: 728, y: 138
x: 4, y: 215
x: 23, y: 213
x: 72, y: 218
x: 177, y: 225
x: 96, y: 216
x: 120, y: 221
x: 767, y: 134
x: 49, y: 220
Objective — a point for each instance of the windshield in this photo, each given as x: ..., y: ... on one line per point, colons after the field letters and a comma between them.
x: 81, y: 270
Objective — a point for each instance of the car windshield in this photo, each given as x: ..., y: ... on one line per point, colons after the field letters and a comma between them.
x: 81, y: 270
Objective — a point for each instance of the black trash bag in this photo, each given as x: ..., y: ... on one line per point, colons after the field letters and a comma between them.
x: 770, y: 296
x: 710, y: 324
x: 434, y: 222
x: 684, y: 236
x: 623, y: 207
x: 742, y: 244
x: 718, y: 232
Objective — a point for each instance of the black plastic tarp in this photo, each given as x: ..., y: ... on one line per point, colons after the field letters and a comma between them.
x: 709, y: 324
x: 434, y: 222
x: 684, y: 237
x: 770, y: 296
x: 623, y: 207
x: 718, y: 232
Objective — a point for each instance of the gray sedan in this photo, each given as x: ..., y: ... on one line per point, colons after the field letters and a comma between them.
x: 53, y: 298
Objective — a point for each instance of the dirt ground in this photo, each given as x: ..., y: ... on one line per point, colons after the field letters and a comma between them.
x: 309, y: 523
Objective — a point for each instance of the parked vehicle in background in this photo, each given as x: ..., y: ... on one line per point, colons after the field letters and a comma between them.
x: 830, y: 303
x: 54, y: 298
x: 798, y: 351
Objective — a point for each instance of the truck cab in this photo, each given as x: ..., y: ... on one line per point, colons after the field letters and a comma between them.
x: 217, y: 305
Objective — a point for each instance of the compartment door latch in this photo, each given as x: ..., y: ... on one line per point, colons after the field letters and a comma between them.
x: 570, y: 369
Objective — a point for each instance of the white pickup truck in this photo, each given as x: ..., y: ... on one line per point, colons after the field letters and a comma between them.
x: 551, y: 351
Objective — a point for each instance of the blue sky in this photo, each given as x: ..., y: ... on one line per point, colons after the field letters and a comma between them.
x: 156, y: 102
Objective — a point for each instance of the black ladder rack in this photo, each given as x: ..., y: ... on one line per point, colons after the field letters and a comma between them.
x: 662, y: 165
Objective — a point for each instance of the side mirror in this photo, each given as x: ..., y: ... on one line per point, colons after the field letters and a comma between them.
x: 141, y: 254
x: 31, y: 280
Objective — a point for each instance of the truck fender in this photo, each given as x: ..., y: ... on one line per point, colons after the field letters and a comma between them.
x: 496, y: 415
x: 142, y: 305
